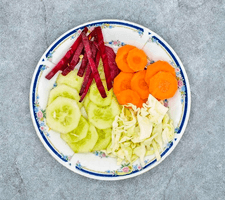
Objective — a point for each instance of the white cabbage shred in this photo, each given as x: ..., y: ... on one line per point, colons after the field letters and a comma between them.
x: 139, y: 132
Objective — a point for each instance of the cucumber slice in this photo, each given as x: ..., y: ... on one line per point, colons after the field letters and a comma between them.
x: 104, y: 138
x: 96, y: 97
x: 78, y: 133
x: 71, y: 80
x: 64, y: 91
x: 63, y: 115
x: 86, y: 145
x: 86, y: 101
x: 103, y: 117
x: 83, y: 112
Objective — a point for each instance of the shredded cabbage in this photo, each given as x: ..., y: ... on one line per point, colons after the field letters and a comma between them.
x: 139, y: 132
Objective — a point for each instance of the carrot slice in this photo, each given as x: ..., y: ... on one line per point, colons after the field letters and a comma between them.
x: 122, y: 82
x: 163, y: 85
x: 136, y: 59
x: 121, y: 58
x: 139, y: 85
x: 156, y: 67
x: 128, y: 96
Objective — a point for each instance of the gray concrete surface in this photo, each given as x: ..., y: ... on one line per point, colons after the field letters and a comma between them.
x: 195, y: 169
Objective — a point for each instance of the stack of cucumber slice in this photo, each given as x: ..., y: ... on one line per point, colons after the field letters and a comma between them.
x: 85, y: 126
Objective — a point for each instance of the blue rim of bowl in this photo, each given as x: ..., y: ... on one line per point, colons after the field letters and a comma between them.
x: 139, y: 28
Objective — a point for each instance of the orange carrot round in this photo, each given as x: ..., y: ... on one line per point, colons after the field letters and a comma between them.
x: 139, y: 85
x: 128, y: 96
x: 163, y: 85
x: 122, y: 82
x: 154, y: 68
x: 121, y: 58
x: 136, y: 59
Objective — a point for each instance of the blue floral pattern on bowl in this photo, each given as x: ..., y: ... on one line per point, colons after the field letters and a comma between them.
x: 100, y: 154
x: 116, y: 43
x: 40, y: 115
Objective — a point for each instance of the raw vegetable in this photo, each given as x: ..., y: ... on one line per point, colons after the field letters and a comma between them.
x: 87, y: 144
x: 63, y: 63
x: 135, y: 86
x: 163, y: 85
x: 64, y: 91
x: 83, y: 93
x: 121, y: 58
x: 104, y: 138
x: 96, y: 98
x: 157, y: 130
x: 79, y: 133
x: 106, y: 53
x: 93, y: 65
x: 156, y: 110
x: 75, y: 60
x: 140, y: 151
x: 101, y: 46
x: 70, y: 79
x: 128, y: 96
x: 103, y: 117
x: 63, y: 115
x: 92, y: 34
x: 101, y: 70
x: 83, y: 65
x: 136, y: 59
x: 140, y: 132
x: 114, y: 70
x: 84, y: 62
x: 139, y: 85
x: 96, y: 56
x: 168, y: 130
x: 122, y: 82
x: 140, y: 104
x: 83, y: 112
x: 86, y: 101
x: 156, y: 67
x: 156, y: 150
x: 86, y: 89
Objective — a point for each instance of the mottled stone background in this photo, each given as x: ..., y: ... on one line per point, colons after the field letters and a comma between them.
x: 194, y: 29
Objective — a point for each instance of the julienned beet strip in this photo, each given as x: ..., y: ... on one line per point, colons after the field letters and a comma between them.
x: 112, y: 63
x: 86, y: 89
x: 88, y: 70
x: 63, y: 63
x: 94, y: 70
x: 78, y: 40
x: 76, y: 56
x: 96, y: 45
x: 77, y: 53
x: 84, y: 62
x: 100, y: 42
x: 83, y: 66
x: 75, y: 60
x: 90, y: 79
